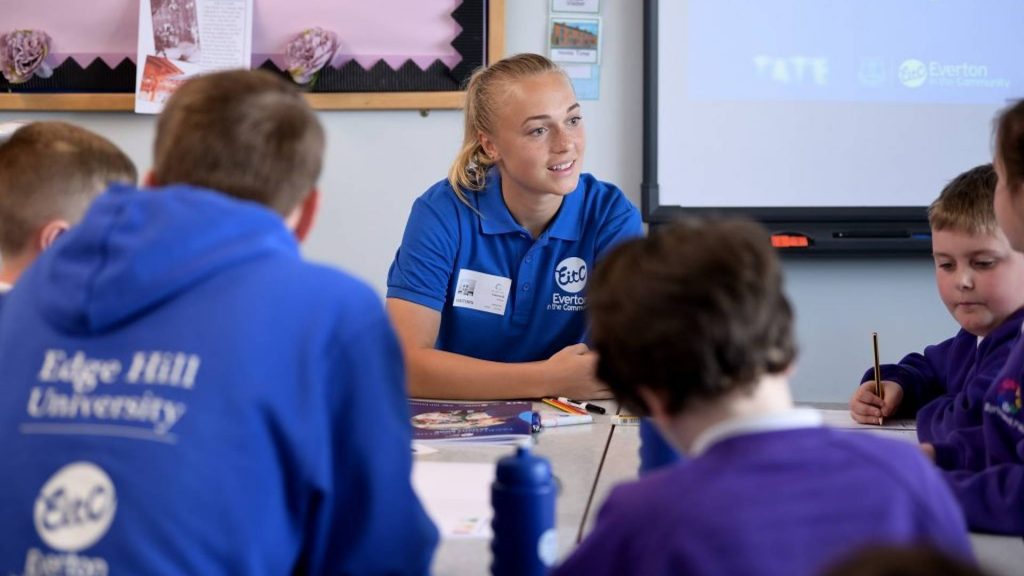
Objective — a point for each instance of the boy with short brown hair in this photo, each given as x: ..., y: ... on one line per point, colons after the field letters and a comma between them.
x: 49, y: 174
x: 980, y: 279
x: 225, y: 406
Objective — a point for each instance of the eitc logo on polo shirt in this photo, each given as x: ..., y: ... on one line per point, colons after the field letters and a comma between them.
x: 571, y: 274
x: 571, y: 277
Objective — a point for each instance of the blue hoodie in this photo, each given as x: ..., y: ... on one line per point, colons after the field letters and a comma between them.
x: 183, y: 394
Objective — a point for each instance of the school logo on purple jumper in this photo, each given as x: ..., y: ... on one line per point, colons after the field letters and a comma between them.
x: 1008, y: 397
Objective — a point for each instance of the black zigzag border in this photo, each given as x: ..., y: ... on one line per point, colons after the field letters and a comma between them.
x: 71, y: 77
x: 471, y: 45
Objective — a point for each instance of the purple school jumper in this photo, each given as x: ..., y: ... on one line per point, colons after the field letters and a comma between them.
x: 786, y: 502
x: 993, y: 498
x: 945, y: 387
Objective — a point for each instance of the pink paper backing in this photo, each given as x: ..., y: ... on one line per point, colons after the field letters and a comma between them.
x: 368, y: 30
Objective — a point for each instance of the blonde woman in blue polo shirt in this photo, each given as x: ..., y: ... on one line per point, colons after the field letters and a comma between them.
x: 488, y: 289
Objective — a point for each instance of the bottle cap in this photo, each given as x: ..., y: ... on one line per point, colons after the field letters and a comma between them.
x: 523, y: 468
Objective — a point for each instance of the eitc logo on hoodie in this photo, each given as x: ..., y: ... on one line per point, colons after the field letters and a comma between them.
x: 73, y: 511
x: 75, y: 507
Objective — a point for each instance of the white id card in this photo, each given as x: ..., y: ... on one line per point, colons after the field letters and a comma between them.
x: 479, y: 291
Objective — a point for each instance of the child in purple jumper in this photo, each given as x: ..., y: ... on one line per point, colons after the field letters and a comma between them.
x: 993, y: 497
x: 980, y: 279
x: 693, y: 331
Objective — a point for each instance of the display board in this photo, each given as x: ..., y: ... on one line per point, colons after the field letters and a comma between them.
x: 391, y: 53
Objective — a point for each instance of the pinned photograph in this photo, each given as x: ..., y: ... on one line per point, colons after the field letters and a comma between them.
x: 160, y: 78
x: 176, y: 29
x: 169, y: 50
x: 576, y: 40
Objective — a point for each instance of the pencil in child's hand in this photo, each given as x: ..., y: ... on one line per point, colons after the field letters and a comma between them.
x: 878, y: 374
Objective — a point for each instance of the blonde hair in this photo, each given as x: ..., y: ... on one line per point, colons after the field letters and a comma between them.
x: 483, y: 95
x: 966, y: 203
x: 53, y: 170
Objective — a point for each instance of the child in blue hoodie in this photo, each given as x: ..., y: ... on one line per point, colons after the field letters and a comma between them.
x: 693, y: 330
x: 980, y: 279
x: 49, y: 173
x: 183, y: 393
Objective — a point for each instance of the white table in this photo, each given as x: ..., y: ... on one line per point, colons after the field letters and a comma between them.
x: 575, y: 453
x: 589, y: 460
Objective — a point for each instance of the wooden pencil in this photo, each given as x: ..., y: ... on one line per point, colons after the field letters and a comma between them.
x: 878, y: 374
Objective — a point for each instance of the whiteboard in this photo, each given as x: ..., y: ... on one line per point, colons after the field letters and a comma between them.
x: 823, y: 116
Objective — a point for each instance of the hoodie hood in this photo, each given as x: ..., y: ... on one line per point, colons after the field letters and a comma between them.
x: 137, y: 248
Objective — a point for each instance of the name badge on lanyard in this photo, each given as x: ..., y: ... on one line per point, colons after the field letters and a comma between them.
x: 483, y: 292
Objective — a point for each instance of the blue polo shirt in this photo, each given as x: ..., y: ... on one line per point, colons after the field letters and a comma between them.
x: 502, y: 295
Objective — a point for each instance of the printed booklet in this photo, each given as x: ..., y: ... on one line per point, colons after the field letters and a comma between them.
x: 508, y: 422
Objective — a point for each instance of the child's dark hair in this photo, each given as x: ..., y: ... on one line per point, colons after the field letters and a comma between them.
x: 692, y: 313
x: 1010, y: 144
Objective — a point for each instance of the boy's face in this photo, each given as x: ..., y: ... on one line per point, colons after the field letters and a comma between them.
x: 1009, y: 212
x: 980, y: 278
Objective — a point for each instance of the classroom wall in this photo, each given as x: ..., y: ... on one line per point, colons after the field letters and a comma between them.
x: 379, y: 162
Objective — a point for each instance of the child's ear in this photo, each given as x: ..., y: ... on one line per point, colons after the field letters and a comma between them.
x: 301, y: 219
x: 655, y: 402
x: 149, y: 180
x: 49, y: 233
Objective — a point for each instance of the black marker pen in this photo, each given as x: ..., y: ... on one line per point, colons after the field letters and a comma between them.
x: 583, y: 405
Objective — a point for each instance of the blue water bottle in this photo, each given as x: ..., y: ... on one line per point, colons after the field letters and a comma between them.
x: 655, y: 452
x: 523, y: 497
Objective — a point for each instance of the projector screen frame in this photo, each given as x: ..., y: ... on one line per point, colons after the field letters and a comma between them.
x: 832, y: 229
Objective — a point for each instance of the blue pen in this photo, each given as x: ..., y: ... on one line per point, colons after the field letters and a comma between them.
x: 533, y: 418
